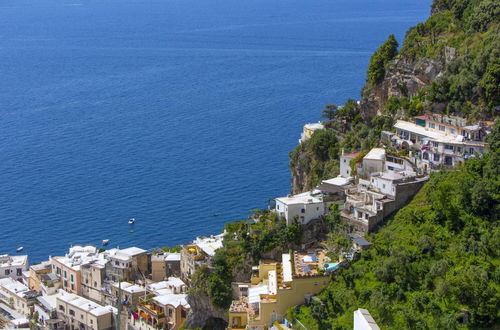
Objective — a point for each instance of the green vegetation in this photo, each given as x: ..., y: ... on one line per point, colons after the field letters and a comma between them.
x: 434, y: 265
x: 174, y: 249
x: 467, y: 33
x: 243, y: 246
x: 379, y: 60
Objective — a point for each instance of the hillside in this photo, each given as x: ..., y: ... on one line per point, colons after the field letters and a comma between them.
x: 434, y: 265
x: 449, y: 64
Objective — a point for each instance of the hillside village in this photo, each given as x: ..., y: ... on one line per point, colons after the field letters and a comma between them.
x: 91, y: 288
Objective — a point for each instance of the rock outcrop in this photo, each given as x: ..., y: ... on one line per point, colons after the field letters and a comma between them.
x: 403, y: 77
x: 203, y: 311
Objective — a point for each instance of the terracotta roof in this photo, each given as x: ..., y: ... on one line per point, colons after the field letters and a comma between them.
x: 351, y: 155
x: 424, y: 117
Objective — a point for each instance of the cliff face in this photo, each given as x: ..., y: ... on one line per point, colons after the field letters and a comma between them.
x: 403, y: 71
x: 203, y: 312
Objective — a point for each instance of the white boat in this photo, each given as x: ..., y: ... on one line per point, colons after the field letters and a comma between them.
x: 131, y: 221
x: 19, y: 249
x: 105, y: 242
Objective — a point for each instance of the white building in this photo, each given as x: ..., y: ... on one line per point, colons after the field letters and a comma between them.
x: 209, y: 244
x: 345, y: 164
x: 16, y: 295
x: 440, y: 140
x: 13, y: 266
x: 81, y: 313
x: 373, y: 161
x: 304, y: 207
x: 364, y: 321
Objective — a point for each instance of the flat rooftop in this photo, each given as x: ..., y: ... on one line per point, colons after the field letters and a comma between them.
x: 13, y: 261
x: 303, y: 198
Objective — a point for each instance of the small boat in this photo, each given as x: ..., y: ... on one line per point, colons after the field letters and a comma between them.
x: 105, y: 242
x: 131, y: 221
x: 19, y: 249
x: 131, y: 231
x: 216, y: 214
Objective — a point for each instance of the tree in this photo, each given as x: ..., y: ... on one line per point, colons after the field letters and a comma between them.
x: 329, y: 111
x: 385, y: 53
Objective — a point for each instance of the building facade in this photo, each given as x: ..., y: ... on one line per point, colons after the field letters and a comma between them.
x: 13, y: 266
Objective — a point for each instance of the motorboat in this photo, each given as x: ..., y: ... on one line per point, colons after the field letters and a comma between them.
x: 19, y: 249
x: 105, y: 242
x: 131, y: 221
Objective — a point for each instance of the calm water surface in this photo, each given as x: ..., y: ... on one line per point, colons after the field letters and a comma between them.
x: 167, y: 111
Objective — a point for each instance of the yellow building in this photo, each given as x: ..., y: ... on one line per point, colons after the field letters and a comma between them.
x: 277, y: 286
x: 309, y: 129
x: 36, y: 272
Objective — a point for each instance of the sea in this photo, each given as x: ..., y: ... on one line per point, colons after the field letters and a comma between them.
x: 178, y: 113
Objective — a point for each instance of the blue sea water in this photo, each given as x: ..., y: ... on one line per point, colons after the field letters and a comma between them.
x: 166, y: 110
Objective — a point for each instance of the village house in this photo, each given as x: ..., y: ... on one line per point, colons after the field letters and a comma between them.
x: 164, y: 265
x: 17, y: 295
x: 276, y: 286
x: 49, y: 284
x: 93, y: 276
x: 165, y: 306
x: 198, y: 253
x: 126, y: 264
x: 46, y: 307
x: 385, y: 184
x: 68, y: 267
x: 13, y: 266
x: 302, y: 207
x: 35, y: 275
x: 130, y: 294
x: 440, y: 140
x: 81, y: 313
x: 345, y: 164
x: 309, y: 129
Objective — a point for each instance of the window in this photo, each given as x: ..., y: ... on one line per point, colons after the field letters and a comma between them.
x: 183, y: 313
x: 459, y: 149
x: 170, y: 312
x: 383, y: 186
x: 61, y: 308
x: 432, y: 125
x: 278, y: 207
x: 435, y: 144
x: 58, y: 271
x: 66, y: 283
x: 19, y: 271
x: 7, y: 271
x: 65, y: 274
x: 448, y: 147
x: 72, y: 278
x: 436, y: 157
x: 91, y: 321
x: 71, y: 312
x: 441, y: 128
x: 81, y: 316
x: 471, y: 150
x: 95, y: 284
x: 452, y: 130
x: 72, y: 286
x: 303, y: 211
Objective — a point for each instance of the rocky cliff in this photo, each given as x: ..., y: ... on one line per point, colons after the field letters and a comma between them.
x: 449, y: 64
x: 404, y: 76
